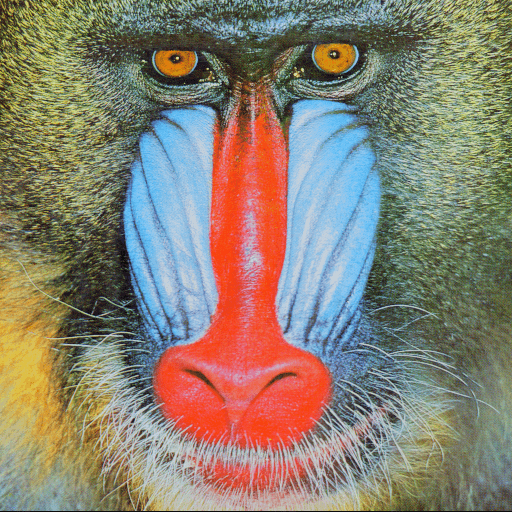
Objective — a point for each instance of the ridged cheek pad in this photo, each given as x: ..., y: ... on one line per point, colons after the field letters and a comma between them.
x: 332, y: 208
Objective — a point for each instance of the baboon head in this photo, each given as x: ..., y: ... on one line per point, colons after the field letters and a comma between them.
x: 259, y: 251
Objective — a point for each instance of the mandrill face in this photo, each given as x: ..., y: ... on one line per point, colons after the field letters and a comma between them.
x: 265, y: 251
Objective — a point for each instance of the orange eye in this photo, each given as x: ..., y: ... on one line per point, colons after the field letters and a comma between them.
x: 335, y: 58
x: 174, y: 63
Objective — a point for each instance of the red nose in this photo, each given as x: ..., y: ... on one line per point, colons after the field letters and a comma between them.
x: 242, y: 382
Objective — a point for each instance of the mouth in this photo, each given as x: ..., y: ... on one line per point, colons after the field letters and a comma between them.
x: 322, y: 463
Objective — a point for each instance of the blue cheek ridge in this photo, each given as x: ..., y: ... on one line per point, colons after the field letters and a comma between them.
x: 333, y: 209
x: 167, y: 225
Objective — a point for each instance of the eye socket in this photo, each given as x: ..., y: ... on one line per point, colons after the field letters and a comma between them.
x: 174, y: 63
x: 335, y: 58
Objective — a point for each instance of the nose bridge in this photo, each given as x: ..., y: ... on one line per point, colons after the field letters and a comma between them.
x: 250, y: 98
x: 252, y: 64
x: 248, y: 217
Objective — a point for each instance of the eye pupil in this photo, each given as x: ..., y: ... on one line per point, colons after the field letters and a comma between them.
x: 334, y: 54
x: 175, y: 59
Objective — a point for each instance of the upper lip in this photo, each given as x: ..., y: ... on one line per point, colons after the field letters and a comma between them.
x: 231, y: 469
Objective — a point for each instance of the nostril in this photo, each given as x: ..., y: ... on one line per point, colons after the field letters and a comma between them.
x: 281, y: 376
x: 201, y: 376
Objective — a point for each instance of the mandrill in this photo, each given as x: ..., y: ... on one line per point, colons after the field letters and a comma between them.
x: 255, y: 254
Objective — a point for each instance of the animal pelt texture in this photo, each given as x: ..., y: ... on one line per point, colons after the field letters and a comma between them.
x: 73, y: 102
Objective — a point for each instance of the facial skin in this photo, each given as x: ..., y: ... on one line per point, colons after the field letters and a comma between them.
x: 381, y: 234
